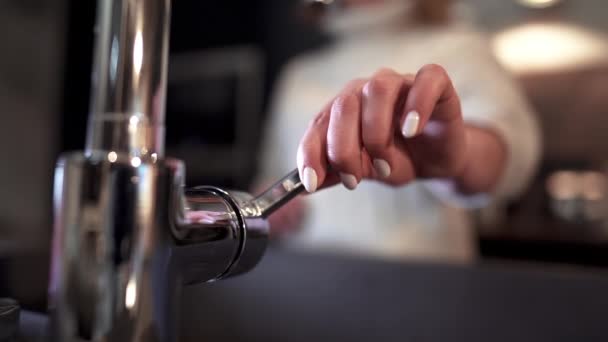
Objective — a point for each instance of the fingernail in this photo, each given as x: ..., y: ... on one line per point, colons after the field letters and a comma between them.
x: 382, y: 167
x: 309, y: 179
x: 410, y: 126
x: 349, y: 181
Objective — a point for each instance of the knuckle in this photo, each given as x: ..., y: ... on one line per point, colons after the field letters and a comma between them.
x: 409, y: 77
x: 343, y: 104
x: 374, y: 144
x: 320, y: 120
x: 353, y: 84
x: 379, y: 87
x: 436, y: 74
x: 385, y: 71
x: 435, y: 70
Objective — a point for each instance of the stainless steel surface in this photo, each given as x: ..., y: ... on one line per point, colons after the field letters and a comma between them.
x: 127, y: 236
x: 130, y: 77
x: 277, y: 195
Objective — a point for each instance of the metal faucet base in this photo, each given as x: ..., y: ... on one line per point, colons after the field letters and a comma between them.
x: 127, y: 238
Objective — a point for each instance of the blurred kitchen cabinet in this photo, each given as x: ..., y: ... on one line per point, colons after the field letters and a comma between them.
x: 32, y: 36
x: 573, y: 111
x: 214, y: 109
x: 572, y: 108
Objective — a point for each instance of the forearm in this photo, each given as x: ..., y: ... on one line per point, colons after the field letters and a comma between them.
x: 486, y: 161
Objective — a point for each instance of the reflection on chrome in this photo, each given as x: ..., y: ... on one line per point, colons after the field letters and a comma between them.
x: 112, y: 157
x: 138, y: 53
x: 113, y: 59
x: 131, y: 294
x: 135, y: 161
x: 133, y: 121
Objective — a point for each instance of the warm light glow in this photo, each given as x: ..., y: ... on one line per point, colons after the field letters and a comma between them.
x: 131, y: 294
x: 154, y: 157
x: 567, y: 185
x: 593, y: 185
x: 138, y: 52
x: 564, y: 185
x: 545, y: 47
x: 539, y: 3
x: 135, y: 161
x: 112, y: 157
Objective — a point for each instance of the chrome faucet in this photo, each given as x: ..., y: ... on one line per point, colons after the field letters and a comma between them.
x: 127, y: 236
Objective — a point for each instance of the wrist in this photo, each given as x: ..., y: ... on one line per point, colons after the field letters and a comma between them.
x: 486, y: 158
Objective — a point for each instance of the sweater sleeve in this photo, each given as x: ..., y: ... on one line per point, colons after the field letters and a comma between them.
x: 491, y: 99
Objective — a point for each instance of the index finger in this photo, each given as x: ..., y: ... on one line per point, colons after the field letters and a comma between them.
x: 312, y: 156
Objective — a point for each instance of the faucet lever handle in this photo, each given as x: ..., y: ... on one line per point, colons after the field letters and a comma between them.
x: 279, y: 194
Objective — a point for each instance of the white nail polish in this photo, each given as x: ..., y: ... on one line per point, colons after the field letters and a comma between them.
x: 309, y: 179
x: 349, y: 181
x: 382, y: 167
x: 410, y: 126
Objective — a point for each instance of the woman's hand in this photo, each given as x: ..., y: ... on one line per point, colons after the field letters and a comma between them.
x: 397, y: 128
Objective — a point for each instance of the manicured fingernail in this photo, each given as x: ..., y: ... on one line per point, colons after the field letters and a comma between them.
x: 349, y: 181
x: 309, y: 179
x: 382, y: 167
x: 410, y: 126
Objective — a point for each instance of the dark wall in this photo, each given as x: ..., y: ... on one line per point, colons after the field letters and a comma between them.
x: 31, y: 51
x: 31, y: 59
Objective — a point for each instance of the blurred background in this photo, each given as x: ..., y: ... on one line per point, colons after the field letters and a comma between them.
x: 225, y: 59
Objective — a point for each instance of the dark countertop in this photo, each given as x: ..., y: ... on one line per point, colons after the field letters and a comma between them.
x: 315, y: 298
x: 296, y: 297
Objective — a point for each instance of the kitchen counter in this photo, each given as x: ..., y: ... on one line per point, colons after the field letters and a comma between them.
x: 292, y: 297
x: 297, y: 297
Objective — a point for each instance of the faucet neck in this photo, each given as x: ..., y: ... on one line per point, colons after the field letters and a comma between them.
x: 127, y: 112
